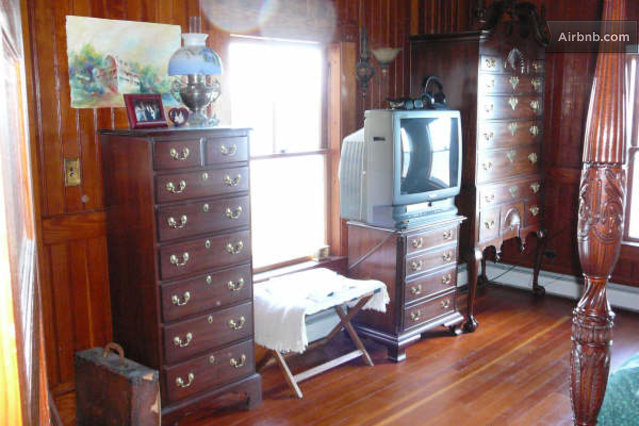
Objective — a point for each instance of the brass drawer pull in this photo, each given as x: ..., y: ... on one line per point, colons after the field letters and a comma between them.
x: 417, y: 265
x: 446, y: 279
x: 511, y: 155
x: 447, y: 235
x: 209, y: 280
x: 416, y: 289
x: 489, y: 198
x: 534, y: 105
x: 210, y: 319
x: 534, y: 210
x: 228, y: 181
x: 513, y: 102
x: 534, y: 130
x: 233, y: 213
x: 177, y: 340
x: 235, y: 286
x: 489, y: 224
x: 536, y: 65
x: 177, y: 262
x: 415, y: 316
x: 514, y: 190
x: 234, y: 248
x: 491, y: 63
x: 207, y: 244
x: 205, y: 177
x: 238, y: 364
x: 212, y: 359
x: 175, y: 299
x: 489, y: 108
x: 417, y: 243
x: 180, y: 382
x: 206, y: 207
x: 514, y: 81
x: 535, y: 187
x: 170, y: 186
x: 174, y: 224
x: 179, y: 156
x: 237, y: 325
x: 513, y: 128
x: 230, y: 151
x: 489, y: 136
x: 536, y: 83
x: 532, y: 157
x: 488, y: 166
x: 445, y: 304
x: 446, y: 257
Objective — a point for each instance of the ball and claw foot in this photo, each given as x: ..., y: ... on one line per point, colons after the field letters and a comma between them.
x: 470, y: 325
x: 539, y: 290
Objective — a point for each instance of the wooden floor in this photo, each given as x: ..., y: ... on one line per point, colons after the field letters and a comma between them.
x: 514, y: 370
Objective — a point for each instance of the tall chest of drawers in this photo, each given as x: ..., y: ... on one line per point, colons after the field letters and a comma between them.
x: 496, y: 79
x: 178, y: 231
x: 419, y: 267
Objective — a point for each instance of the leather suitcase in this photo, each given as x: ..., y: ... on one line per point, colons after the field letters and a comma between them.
x: 113, y: 390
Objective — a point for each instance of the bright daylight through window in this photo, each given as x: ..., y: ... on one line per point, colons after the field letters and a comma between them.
x: 276, y: 89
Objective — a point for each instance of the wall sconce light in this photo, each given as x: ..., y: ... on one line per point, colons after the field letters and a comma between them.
x: 364, y: 70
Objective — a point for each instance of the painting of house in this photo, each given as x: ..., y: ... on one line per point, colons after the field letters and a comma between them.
x: 118, y: 76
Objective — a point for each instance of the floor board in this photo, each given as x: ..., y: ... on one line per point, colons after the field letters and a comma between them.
x: 513, y: 370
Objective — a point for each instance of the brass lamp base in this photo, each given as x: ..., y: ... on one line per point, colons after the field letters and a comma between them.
x: 197, y: 95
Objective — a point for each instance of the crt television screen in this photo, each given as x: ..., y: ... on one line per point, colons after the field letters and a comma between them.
x: 428, y: 154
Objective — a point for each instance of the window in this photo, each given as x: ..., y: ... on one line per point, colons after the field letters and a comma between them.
x: 632, y: 195
x: 277, y: 90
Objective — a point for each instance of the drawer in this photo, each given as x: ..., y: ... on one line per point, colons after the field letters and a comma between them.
x: 197, y: 335
x: 177, y: 154
x: 510, y: 84
x: 489, y: 224
x: 508, y: 107
x: 431, y: 284
x: 215, y: 368
x: 423, y: 262
x: 184, y: 186
x: 226, y: 150
x: 431, y: 238
x: 185, y: 220
x: 500, y: 134
x: 512, y: 219
x: 429, y: 310
x: 508, y: 192
x: 503, y: 163
x: 199, y: 255
x: 532, y: 213
x: 213, y: 290
x: 490, y: 63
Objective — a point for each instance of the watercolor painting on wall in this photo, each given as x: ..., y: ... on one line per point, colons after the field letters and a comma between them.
x: 108, y: 58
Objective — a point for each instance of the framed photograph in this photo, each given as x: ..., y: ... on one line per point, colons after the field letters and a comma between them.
x: 145, y: 110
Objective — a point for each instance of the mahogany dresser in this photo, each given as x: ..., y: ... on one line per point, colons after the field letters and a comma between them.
x: 419, y: 267
x: 495, y: 77
x: 179, y: 246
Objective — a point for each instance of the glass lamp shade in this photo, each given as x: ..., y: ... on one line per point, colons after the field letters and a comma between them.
x: 195, y: 60
x: 195, y: 57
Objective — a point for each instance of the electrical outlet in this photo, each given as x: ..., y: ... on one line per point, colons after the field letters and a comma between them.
x: 72, y: 173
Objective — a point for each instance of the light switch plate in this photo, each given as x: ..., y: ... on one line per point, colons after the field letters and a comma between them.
x: 72, y: 174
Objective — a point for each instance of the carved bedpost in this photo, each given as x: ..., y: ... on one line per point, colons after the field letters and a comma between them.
x: 600, y: 228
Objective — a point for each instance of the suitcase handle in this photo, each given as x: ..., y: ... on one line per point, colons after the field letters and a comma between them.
x: 112, y: 346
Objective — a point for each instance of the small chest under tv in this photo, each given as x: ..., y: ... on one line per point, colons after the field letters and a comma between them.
x: 419, y: 266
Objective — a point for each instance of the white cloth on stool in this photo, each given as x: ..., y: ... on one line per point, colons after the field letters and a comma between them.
x: 282, y: 303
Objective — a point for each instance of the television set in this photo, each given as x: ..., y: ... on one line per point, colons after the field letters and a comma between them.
x: 402, y: 168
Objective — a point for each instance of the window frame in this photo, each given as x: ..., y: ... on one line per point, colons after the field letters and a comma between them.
x: 324, y: 149
x: 632, y: 142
